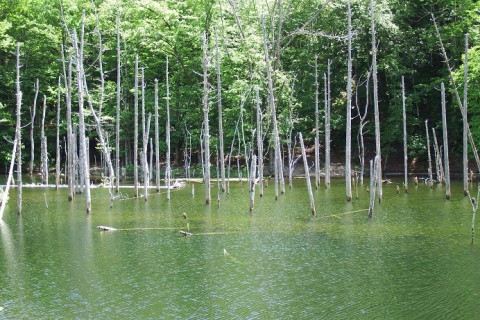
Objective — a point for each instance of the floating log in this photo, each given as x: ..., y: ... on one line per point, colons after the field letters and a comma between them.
x: 105, y: 228
x: 185, y: 233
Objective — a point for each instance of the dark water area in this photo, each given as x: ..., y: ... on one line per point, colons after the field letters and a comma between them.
x: 412, y: 260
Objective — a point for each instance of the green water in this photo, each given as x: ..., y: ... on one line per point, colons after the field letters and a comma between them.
x: 413, y: 260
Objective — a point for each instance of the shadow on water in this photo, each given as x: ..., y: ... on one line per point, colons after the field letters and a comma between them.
x: 411, y: 261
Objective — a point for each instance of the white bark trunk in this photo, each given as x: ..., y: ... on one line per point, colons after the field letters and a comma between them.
x: 167, y: 169
x: 117, y: 122
x: 307, y: 176
x: 206, y: 125
x: 18, y: 135
x: 348, y: 138
x: 135, y: 131
x: 448, y: 193
x: 405, y: 154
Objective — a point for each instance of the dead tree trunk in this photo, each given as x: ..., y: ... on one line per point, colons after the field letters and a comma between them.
x: 145, y: 141
x: 327, y: 125
x: 81, y: 116
x: 58, y: 155
x: 206, y: 125
x: 405, y: 154
x: 167, y: 128
x: 253, y: 168
x: 67, y: 75
x: 220, y: 116
x: 362, y: 123
x: 348, y: 145
x: 157, y: 141
x: 465, y: 120
x: 375, y: 101
x: 373, y: 185
x: 117, y: 122
x: 445, y: 144
x: 430, y: 174
x: 278, y: 162
x: 438, y: 158
x: 33, y: 112
x: 317, y: 130
x: 43, y: 146
x: 457, y: 96
x: 307, y: 175
x: 259, y: 141
x: 135, y: 131
x: 18, y: 135
x: 473, y: 201
x: 4, y: 194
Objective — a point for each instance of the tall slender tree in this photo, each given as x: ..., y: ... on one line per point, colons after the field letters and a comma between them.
x: 168, y: 170
x: 259, y: 140
x: 135, y: 130
x: 375, y: 100
x: 348, y: 139
x: 58, y: 155
x: 448, y: 193
x: 307, y: 175
x: 117, y: 120
x: 206, y: 126
x: 317, y: 129
x: 465, y: 120
x: 405, y: 154
x: 327, y: 125
x: 220, y: 116
x: 157, y: 140
x: 18, y: 135
x: 33, y: 112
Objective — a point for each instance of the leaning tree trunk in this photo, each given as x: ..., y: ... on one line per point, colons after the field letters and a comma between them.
x: 135, y: 131
x: 455, y: 90
x: 259, y: 141
x: 58, y: 155
x: 307, y: 175
x: 430, y: 174
x: 317, y: 130
x: 167, y: 129
x: 33, y: 112
x: 405, y: 154
x: 220, y: 119
x: 348, y: 139
x: 465, y: 120
x: 18, y: 135
x: 206, y: 126
x: 375, y: 101
x: 117, y: 122
x: 445, y: 144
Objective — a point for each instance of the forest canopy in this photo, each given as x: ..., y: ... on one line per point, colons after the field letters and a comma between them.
x: 296, y: 32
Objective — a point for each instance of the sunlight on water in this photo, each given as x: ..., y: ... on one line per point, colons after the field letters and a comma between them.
x: 413, y: 260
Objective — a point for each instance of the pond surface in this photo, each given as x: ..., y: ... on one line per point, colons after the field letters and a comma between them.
x: 413, y: 260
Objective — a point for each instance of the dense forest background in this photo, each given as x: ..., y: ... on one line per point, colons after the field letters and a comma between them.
x: 297, y: 32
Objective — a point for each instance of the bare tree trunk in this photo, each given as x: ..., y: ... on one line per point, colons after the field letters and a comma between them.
x: 206, y: 126
x: 348, y: 145
x: 373, y: 186
x: 438, y: 158
x: 168, y: 169
x: 82, y: 131
x: 317, y: 129
x: 58, y: 155
x: 220, y: 116
x: 362, y: 123
x: 43, y: 146
x: 135, y: 131
x: 144, y: 141
x: 67, y: 75
x: 157, y: 141
x: 405, y: 154
x: 259, y: 141
x: 465, y: 120
x: 18, y: 135
x: 119, y: 92
x: 307, y: 175
x: 430, y: 174
x: 253, y: 168
x: 473, y: 201
x: 448, y: 193
x: 278, y: 163
x: 375, y: 101
x: 327, y: 126
x: 33, y: 112
x: 4, y: 194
